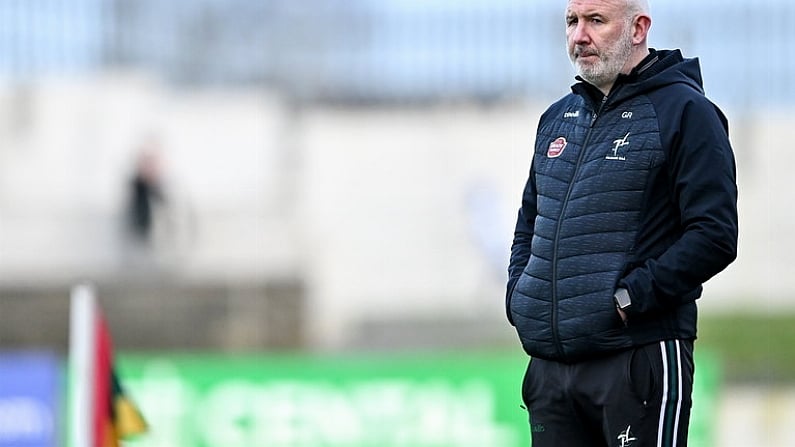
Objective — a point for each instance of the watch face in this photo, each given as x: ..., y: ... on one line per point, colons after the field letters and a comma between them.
x: 622, y: 298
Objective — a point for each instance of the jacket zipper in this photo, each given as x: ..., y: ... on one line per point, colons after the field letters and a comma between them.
x: 555, y: 333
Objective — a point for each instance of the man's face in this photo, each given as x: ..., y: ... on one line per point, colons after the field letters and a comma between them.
x: 599, y: 39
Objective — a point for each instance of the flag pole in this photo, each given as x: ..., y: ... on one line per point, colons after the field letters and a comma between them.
x: 82, y: 318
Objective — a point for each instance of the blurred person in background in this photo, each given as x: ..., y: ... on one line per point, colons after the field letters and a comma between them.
x: 145, y: 209
x: 145, y: 193
x: 159, y: 216
x: 630, y: 206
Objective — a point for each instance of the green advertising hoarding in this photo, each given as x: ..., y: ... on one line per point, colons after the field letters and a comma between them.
x: 466, y: 399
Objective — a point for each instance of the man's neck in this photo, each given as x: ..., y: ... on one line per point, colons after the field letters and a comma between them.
x: 634, y: 60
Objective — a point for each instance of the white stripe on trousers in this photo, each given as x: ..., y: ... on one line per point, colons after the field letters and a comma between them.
x: 678, y: 393
x: 678, y: 372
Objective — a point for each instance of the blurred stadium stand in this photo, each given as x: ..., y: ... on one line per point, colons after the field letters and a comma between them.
x: 382, y: 50
x: 164, y: 315
x: 305, y: 208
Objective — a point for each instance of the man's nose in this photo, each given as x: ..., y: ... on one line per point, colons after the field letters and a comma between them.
x: 580, y: 34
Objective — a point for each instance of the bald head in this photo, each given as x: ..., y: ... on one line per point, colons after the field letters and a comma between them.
x: 631, y: 7
x: 635, y: 7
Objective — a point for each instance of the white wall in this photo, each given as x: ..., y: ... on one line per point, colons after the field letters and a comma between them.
x: 64, y: 172
x: 401, y: 208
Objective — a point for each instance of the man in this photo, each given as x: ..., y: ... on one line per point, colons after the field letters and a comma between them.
x: 629, y: 208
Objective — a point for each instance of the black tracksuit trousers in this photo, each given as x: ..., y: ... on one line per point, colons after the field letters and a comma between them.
x: 639, y: 397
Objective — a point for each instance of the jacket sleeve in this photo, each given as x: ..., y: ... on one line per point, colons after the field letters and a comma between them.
x: 522, y: 238
x: 703, y: 185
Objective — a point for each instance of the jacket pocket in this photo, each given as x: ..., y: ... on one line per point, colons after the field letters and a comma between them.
x: 509, y: 292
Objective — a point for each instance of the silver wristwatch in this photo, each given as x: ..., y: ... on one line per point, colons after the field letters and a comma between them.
x: 622, y: 299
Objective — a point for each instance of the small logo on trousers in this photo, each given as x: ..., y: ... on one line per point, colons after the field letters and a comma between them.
x: 626, y: 438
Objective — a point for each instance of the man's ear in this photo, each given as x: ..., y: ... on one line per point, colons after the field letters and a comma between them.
x: 640, y: 28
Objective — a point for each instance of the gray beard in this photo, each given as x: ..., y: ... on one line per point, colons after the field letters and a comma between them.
x: 610, y: 63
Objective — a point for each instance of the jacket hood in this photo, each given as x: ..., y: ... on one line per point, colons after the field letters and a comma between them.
x: 658, y: 69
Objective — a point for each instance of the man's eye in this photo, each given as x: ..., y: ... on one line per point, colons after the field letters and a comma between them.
x: 571, y: 22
